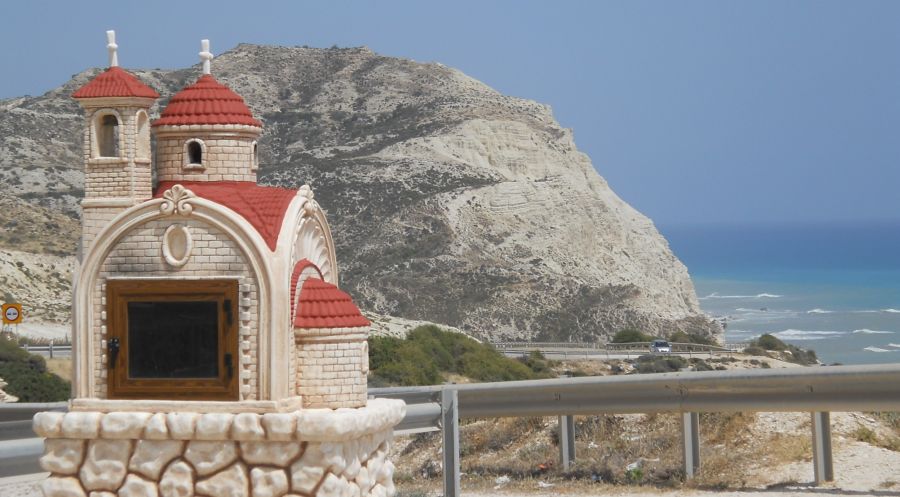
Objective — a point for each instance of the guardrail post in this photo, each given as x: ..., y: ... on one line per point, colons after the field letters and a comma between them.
x: 450, y: 432
x: 690, y: 439
x: 566, y: 441
x: 51, y: 349
x: 823, y: 464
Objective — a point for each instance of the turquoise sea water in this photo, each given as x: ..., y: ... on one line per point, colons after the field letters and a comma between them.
x: 832, y: 288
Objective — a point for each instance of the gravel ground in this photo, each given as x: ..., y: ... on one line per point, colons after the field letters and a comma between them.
x: 860, y: 469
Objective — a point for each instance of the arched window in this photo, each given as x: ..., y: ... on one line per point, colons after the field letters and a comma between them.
x: 107, y: 133
x: 254, y: 164
x: 143, y: 135
x: 194, y: 150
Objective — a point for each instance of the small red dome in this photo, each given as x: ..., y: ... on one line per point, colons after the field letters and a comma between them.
x: 323, y: 305
x: 115, y: 82
x: 206, y: 102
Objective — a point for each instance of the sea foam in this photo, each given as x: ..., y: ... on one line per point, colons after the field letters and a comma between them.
x: 819, y: 311
x: 876, y: 349
x: 715, y: 295
x: 793, y: 334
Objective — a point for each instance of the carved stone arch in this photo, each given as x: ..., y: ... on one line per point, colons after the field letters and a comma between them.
x: 303, y: 270
x: 245, y: 237
x: 312, y: 241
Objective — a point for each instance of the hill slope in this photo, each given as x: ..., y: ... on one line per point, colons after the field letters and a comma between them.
x: 449, y: 202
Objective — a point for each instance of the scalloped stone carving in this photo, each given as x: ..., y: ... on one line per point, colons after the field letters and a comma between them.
x: 310, y: 243
x: 177, y: 200
x: 177, y: 245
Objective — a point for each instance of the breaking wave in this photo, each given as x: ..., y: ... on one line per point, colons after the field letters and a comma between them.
x: 819, y: 311
x: 715, y: 295
x: 876, y: 349
x: 873, y: 332
x: 892, y: 311
x: 895, y: 345
x: 793, y: 334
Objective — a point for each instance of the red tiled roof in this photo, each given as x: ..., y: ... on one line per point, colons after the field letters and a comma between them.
x: 115, y: 82
x: 295, y: 277
x: 261, y: 206
x: 323, y: 305
x: 206, y: 102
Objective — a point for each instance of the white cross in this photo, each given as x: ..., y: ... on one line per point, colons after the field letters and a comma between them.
x: 205, y: 55
x: 111, y: 47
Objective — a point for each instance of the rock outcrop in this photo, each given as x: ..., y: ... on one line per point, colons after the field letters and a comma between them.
x: 5, y: 397
x: 450, y: 202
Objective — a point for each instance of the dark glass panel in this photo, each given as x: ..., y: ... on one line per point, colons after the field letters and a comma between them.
x: 173, y: 340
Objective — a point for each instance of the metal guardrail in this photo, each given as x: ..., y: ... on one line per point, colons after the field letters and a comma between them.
x: 49, y: 350
x: 548, y: 345
x: 818, y: 390
x: 676, y: 346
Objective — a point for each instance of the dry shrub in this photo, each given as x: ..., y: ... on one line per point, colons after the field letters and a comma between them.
x: 866, y: 435
x: 518, y: 447
x: 790, y: 448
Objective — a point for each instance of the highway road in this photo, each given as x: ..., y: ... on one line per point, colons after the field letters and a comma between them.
x: 20, y: 457
x: 601, y: 355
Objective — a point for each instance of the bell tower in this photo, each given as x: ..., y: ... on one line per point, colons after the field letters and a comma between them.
x: 117, y: 155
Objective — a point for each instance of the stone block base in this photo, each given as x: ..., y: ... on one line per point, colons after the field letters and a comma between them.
x: 309, y: 452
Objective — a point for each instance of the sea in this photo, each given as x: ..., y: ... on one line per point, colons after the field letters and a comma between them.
x: 830, y: 287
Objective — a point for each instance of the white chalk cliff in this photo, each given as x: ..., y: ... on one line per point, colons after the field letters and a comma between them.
x: 449, y: 202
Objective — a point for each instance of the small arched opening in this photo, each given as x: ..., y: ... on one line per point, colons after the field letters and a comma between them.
x: 194, y: 151
x: 107, y: 133
x: 143, y: 135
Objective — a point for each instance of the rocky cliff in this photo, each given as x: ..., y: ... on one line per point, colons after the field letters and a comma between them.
x: 449, y: 202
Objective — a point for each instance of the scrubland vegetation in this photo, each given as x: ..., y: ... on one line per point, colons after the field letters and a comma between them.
x: 27, y: 376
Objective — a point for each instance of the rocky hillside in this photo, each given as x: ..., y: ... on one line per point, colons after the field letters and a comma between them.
x: 449, y: 202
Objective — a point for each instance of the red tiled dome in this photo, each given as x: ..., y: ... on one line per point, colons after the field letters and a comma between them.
x: 115, y: 82
x: 206, y: 102
x: 323, y: 305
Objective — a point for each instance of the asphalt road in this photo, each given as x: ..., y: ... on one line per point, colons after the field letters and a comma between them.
x: 601, y: 355
x: 20, y: 457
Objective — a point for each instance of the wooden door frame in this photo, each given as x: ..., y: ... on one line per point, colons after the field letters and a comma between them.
x: 224, y: 291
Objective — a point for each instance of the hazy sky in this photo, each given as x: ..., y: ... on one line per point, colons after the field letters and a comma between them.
x: 695, y: 112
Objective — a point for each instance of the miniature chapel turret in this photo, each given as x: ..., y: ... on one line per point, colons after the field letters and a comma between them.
x: 214, y: 352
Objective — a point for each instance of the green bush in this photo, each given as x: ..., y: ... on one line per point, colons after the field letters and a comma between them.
x: 659, y: 364
x: 27, y: 377
x: 630, y: 335
x: 702, y: 366
x: 790, y: 353
x: 537, y: 362
x: 754, y: 350
x: 770, y: 342
x: 429, y: 352
x: 802, y: 356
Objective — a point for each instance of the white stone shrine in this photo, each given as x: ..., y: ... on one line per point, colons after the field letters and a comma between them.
x: 214, y: 354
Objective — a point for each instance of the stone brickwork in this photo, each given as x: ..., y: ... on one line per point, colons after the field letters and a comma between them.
x: 332, y: 367
x: 214, y: 254
x: 311, y: 452
x: 126, y: 179
x: 93, y: 220
x: 226, y: 157
x: 112, y: 176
